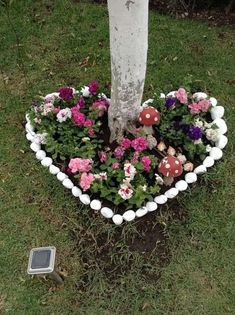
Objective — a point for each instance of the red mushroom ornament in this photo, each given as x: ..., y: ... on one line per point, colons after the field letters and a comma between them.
x: 148, y: 117
x: 170, y: 167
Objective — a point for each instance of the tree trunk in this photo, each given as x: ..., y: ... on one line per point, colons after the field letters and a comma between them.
x: 128, y: 25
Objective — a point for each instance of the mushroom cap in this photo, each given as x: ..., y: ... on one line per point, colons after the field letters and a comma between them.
x: 170, y: 166
x: 149, y: 116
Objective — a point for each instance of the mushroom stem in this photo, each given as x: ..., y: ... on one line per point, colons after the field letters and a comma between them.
x: 168, y: 180
x: 148, y: 130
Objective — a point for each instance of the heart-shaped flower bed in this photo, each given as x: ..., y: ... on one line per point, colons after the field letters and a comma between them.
x: 177, y: 137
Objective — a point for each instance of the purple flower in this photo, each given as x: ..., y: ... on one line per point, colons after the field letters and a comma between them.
x: 118, y: 152
x: 66, y: 93
x: 194, y: 133
x: 93, y: 87
x: 81, y: 102
x: 170, y: 102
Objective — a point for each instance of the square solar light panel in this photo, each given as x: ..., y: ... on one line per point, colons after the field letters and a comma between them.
x: 41, y: 260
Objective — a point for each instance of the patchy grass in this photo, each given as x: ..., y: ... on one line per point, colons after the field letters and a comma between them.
x: 185, y: 266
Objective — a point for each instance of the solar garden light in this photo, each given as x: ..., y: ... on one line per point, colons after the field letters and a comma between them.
x: 42, y: 262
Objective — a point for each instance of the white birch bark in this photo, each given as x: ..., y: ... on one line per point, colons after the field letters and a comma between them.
x: 128, y: 26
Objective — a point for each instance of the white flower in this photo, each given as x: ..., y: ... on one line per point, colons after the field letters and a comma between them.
x: 64, y: 114
x: 182, y: 158
x: 199, y: 141
x: 207, y: 125
x: 158, y: 179
x: 50, y: 98
x: 208, y: 148
x: 37, y: 120
x: 101, y: 176
x: 130, y: 170
x: 125, y: 192
x: 47, y: 108
x: 85, y: 91
x: 40, y: 138
x: 144, y: 188
x: 212, y: 134
x: 85, y: 139
x: 198, y: 123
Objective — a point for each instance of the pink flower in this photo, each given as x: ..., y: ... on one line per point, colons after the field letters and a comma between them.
x: 182, y: 96
x: 93, y: 87
x: 78, y: 117
x: 86, y: 181
x: 80, y: 103
x: 102, y: 156
x: 205, y: 104
x: 135, y: 157
x: 129, y: 170
x: 195, y: 108
x: 139, y: 144
x: 81, y: 165
x: 66, y: 93
x: 56, y: 110
x: 116, y: 166
x: 91, y: 132
x: 88, y: 123
x: 125, y: 192
x: 118, y: 152
x: 126, y: 143
x: 146, y: 161
x: 101, y: 106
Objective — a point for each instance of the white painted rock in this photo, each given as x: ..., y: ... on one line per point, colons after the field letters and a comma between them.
x: 85, y: 199
x: 76, y: 191
x: 213, y: 101
x: 199, y: 96
x: 171, y: 94
x: 221, y: 142
x: 107, y: 212
x: 35, y: 147
x: 61, y: 176
x: 208, y: 162
x: 47, y: 161
x: 29, y: 127
x: 216, y: 153
x: 141, y: 212
x: 68, y: 183
x: 160, y: 199
x: 217, y: 112
x: 54, y: 169
x: 191, y: 177
x: 181, y: 185
x: 40, y: 155
x: 221, y: 124
x: 129, y: 215
x: 29, y: 137
x: 95, y: 204
x: 117, y: 219
x: 151, y: 206
x: 146, y: 103
x: 200, y: 169
x: 27, y: 118
x: 171, y: 193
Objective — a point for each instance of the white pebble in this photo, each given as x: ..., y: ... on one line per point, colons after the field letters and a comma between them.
x: 117, y: 219
x: 213, y: 101
x: 54, y: 169
x: 171, y: 193
x: 61, y: 176
x: 68, y: 183
x: 41, y: 154
x: 191, y: 178
x: 95, y: 204
x: 199, y: 96
x: 208, y: 162
x: 129, y: 215
x: 146, y: 103
x: 221, y: 124
x: 200, y: 169
x: 217, y: 112
x: 107, y: 212
x: 47, y: 161
x: 141, y: 212
x: 35, y: 147
x: 27, y: 118
x: 160, y: 199
x: 76, y: 191
x: 221, y: 142
x: 29, y: 137
x: 85, y: 199
x: 151, y: 206
x: 216, y: 153
x: 29, y: 127
x: 181, y: 185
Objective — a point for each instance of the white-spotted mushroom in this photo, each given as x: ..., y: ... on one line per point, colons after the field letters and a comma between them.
x: 170, y: 167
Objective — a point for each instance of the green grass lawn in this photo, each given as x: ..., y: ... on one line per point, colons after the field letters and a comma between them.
x: 190, y: 270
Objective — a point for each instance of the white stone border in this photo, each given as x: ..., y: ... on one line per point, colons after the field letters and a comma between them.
x: 216, y: 153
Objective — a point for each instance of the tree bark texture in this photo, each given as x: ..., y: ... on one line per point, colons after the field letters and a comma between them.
x: 128, y: 25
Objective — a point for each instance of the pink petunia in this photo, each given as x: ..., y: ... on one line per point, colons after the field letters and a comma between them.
x: 126, y: 143
x: 91, y: 132
x: 195, y: 108
x: 78, y: 117
x: 146, y: 161
x: 205, y: 105
x: 182, y: 95
x: 116, y: 166
x: 118, y: 152
x: 102, y: 156
x: 88, y: 123
x: 139, y: 144
x: 93, y: 87
x: 86, y: 181
x: 81, y: 165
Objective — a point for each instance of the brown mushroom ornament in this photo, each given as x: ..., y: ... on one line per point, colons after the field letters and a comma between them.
x: 170, y: 167
x: 148, y: 117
